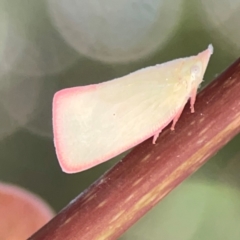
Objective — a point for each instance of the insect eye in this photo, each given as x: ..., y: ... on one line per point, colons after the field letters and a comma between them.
x: 195, y: 70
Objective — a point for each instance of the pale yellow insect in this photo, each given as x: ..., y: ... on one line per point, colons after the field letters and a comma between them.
x: 94, y: 123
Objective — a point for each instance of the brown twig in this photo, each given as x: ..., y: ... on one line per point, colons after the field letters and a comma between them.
x: 137, y: 183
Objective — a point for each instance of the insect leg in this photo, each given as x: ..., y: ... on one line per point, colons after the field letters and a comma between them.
x: 177, y: 116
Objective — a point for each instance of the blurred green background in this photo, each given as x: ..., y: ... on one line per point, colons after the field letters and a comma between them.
x: 53, y: 44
